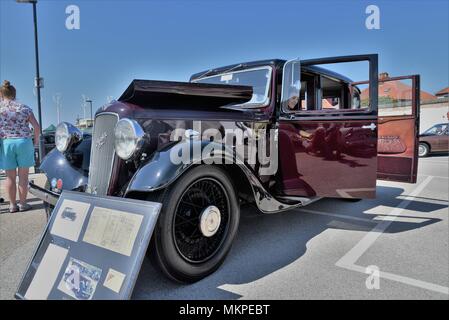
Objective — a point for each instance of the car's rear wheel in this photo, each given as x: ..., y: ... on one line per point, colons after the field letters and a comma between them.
x: 197, y: 224
x: 423, y: 150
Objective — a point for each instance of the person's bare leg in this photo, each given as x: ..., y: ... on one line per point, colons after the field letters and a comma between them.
x: 23, y: 185
x: 11, y: 186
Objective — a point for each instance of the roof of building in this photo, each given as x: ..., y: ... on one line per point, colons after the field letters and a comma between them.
x: 396, y: 90
x: 442, y: 92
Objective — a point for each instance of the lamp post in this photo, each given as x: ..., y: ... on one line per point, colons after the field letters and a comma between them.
x: 90, y: 102
x: 38, y: 81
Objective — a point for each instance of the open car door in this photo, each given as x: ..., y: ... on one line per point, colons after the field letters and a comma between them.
x: 398, y: 128
x: 327, y: 134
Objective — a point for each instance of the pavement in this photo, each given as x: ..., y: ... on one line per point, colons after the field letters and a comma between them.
x: 391, y: 247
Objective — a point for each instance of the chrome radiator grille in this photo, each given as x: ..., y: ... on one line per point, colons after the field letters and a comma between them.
x: 102, y: 154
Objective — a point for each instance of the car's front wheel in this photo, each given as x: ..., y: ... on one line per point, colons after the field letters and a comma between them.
x: 423, y: 150
x: 197, y: 224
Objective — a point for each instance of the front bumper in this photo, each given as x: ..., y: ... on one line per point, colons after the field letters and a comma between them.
x: 45, y: 195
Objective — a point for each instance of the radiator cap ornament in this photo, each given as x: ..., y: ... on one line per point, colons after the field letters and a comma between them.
x: 101, y: 140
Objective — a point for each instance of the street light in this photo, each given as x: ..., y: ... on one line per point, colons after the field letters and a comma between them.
x: 91, y: 119
x: 38, y: 82
x: 90, y: 102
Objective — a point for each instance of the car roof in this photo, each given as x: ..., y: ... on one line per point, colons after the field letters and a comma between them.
x: 277, y: 63
x: 439, y: 124
x: 239, y: 66
x: 327, y: 72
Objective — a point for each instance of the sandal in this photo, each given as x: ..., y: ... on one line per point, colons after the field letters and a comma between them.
x: 24, y: 207
x: 13, y: 209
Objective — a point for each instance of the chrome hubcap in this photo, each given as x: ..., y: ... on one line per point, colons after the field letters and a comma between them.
x: 421, y: 150
x: 210, y: 221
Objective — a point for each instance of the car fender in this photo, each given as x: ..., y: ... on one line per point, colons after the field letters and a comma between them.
x: 160, y: 172
x: 55, y: 165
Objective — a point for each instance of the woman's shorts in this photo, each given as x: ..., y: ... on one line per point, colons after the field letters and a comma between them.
x: 16, y: 153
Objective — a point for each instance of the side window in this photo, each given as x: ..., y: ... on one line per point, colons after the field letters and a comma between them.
x: 333, y: 93
x: 307, y: 94
x: 335, y: 84
x: 318, y: 90
x: 323, y: 93
x: 303, y: 96
x: 441, y: 130
x: 432, y: 130
x: 438, y: 130
x: 395, y: 96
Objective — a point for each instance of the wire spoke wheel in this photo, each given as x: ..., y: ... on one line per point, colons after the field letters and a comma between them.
x: 197, y: 224
x: 201, y: 220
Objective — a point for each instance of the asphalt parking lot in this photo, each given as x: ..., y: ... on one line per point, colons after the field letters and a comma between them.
x: 321, y: 251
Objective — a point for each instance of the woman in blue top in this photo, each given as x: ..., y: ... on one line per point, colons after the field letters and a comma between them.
x: 17, y: 150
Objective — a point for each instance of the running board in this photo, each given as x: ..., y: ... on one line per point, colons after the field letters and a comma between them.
x: 284, y: 203
x: 300, y: 201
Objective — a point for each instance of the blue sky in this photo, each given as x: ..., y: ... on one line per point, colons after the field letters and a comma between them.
x: 169, y: 40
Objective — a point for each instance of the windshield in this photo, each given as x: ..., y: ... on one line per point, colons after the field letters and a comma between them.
x: 258, y: 78
x: 437, y: 129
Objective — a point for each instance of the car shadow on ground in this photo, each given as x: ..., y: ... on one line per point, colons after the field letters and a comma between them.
x: 267, y: 243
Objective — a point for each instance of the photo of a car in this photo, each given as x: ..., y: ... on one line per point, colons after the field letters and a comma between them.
x: 434, y: 139
x: 68, y: 214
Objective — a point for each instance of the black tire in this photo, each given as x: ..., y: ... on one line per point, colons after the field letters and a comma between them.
x: 189, y: 258
x: 423, y: 150
x: 48, y: 210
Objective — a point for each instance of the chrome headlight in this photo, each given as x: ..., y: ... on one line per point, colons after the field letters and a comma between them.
x: 129, y: 138
x: 66, y: 135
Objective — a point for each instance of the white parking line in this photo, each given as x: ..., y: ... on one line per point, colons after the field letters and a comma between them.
x: 437, y: 162
x: 406, y: 280
x: 350, y: 258
x: 434, y: 161
x: 401, y: 219
x: 428, y: 200
x: 441, y: 177
x: 336, y: 215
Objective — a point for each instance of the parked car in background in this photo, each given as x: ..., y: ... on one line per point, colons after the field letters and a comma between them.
x: 49, y: 144
x: 434, y: 139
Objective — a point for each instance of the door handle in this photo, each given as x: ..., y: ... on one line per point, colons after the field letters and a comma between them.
x: 372, y: 126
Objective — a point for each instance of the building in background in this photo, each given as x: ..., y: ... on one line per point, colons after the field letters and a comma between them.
x: 443, y: 93
x: 84, y: 123
x: 434, y: 109
x: 396, y: 91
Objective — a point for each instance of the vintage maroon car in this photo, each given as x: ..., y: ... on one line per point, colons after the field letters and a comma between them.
x: 434, y: 139
x: 298, y: 132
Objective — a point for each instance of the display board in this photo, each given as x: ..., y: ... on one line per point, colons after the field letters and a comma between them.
x: 91, y: 248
